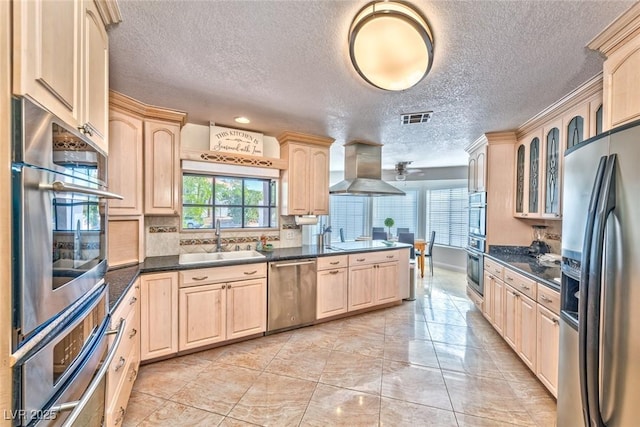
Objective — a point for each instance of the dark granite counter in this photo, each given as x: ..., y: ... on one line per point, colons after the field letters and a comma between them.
x: 517, y: 258
x: 120, y: 279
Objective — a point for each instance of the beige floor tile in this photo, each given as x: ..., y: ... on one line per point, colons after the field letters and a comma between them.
x: 334, y: 406
x: 140, y: 406
x: 416, y: 384
x: 305, y: 363
x: 159, y: 381
x: 397, y: 413
x: 486, y: 398
x: 453, y: 334
x: 409, y: 350
x: 365, y: 343
x: 253, y: 354
x: 274, y: 400
x: 353, y: 371
x: 410, y: 329
x: 218, y: 388
x: 176, y: 415
x: 316, y: 336
x: 469, y: 360
x: 465, y: 420
x: 232, y: 422
x: 449, y: 317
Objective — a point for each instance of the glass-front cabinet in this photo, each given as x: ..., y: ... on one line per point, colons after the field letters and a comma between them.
x: 552, y: 170
x: 527, y: 180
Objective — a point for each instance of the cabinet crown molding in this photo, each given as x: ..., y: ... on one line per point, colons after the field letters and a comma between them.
x: 127, y: 104
x: 109, y: 12
x: 492, y: 138
x: 290, y: 136
x: 618, y: 32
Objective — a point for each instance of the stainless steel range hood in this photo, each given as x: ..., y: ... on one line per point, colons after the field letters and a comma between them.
x: 363, y: 172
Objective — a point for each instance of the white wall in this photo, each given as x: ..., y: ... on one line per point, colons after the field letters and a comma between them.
x: 449, y: 257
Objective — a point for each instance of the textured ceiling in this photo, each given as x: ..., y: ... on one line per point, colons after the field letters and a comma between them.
x: 285, y: 65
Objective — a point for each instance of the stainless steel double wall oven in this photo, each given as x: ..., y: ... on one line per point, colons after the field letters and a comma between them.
x: 60, y: 299
x: 477, y: 236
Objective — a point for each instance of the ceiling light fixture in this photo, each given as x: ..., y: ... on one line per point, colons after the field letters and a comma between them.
x: 390, y: 45
x: 242, y: 119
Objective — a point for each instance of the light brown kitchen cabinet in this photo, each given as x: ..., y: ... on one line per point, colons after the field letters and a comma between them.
x: 477, y: 172
x: 221, y: 303
x: 386, y: 282
x: 124, y: 368
x: 305, y: 182
x: 332, y: 286
x: 361, y: 287
x: 520, y: 325
x: 125, y: 174
x: 553, y: 141
x: 161, y: 167
x: 493, y: 307
x: 158, y: 315
x: 373, y: 278
x: 528, y: 180
x: 548, y: 344
x: 61, y: 60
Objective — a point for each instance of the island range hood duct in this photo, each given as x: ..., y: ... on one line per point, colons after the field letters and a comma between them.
x: 363, y: 172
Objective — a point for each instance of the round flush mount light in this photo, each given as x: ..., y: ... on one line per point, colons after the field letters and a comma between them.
x: 242, y: 119
x: 390, y: 45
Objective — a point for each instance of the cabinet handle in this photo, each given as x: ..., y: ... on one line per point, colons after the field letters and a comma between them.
x: 228, y: 286
x: 554, y: 320
x: 509, y: 278
x: 134, y: 374
x: 390, y: 256
x: 524, y: 214
x: 133, y: 333
x: 525, y: 287
x: 497, y: 271
x: 360, y: 259
x: 515, y: 294
x: 200, y: 277
x: 334, y: 262
x: 334, y: 272
x: 544, y: 298
x: 120, y: 364
x: 249, y: 273
x: 133, y: 300
x: 120, y: 416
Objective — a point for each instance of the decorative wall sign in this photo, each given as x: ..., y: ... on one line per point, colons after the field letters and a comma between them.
x: 236, y: 141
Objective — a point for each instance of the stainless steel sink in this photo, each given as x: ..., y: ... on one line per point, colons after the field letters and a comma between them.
x: 205, y: 258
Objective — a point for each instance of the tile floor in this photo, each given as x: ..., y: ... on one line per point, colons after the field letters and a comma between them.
x: 431, y: 362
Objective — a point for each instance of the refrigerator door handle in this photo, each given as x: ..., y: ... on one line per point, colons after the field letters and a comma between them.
x: 606, y: 203
x: 584, y: 285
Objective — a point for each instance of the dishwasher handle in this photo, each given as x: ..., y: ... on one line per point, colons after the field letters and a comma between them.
x: 292, y: 264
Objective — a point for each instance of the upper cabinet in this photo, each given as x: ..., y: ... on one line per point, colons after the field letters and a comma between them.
x: 477, y: 173
x: 527, y: 180
x: 551, y: 169
x: 61, y: 60
x: 305, y: 182
x: 162, y: 167
x: 620, y: 44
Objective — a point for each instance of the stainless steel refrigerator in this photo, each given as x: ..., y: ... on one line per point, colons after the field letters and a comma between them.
x: 599, y: 367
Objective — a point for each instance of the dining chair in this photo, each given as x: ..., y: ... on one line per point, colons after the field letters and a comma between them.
x: 408, y: 238
x: 377, y: 229
x: 429, y: 252
x: 379, y: 235
x: 402, y: 230
x: 342, y: 235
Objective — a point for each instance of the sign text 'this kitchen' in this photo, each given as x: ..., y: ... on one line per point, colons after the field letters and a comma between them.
x: 236, y: 141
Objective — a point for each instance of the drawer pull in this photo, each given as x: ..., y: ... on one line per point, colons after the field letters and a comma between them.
x: 555, y: 321
x: 120, y: 416
x: 497, y: 271
x: 360, y: 259
x: 134, y: 374
x: 390, y: 256
x: 525, y: 287
x: 515, y: 294
x: 120, y: 364
x: 133, y: 333
x: 200, y: 278
x: 228, y: 286
x: 334, y: 262
x: 544, y: 298
x: 509, y: 278
x: 249, y: 273
x: 133, y: 300
x: 334, y: 272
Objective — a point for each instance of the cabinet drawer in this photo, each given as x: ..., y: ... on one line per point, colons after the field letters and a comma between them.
x: 549, y: 298
x: 520, y: 283
x: 128, y: 345
x: 126, y: 305
x: 201, y: 276
x: 117, y: 402
x: 332, y: 262
x: 493, y: 268
x: 475, y: 298
x: 373, y: 257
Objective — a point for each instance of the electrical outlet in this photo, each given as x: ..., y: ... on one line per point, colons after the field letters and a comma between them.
x: 289, y: 235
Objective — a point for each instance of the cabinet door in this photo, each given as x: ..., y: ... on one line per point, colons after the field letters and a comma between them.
x: 481, y: 170
x: 46, y: 55
x: 298, y: 180
x: 521, y: 185
x: 95, y: 76
x: 487, y: 304
x: 162, y: 167
x: 125, y: 164
x: 246, y: 308
x: 386, y: 282
x: 202, y: 315
x: 547, y: 350
x: 361, y: 287
x: 527, y: 343
x: 575, y: 126
x: 471, y: 174
x: 319, y: 181
x: 552, y: 170
x: 497, y: 296
x: 511, y: 301
x: 159, y: 315
x: 331, y: 293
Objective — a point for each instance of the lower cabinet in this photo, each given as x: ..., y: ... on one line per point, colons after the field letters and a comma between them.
x: 332, y: 290
x: 158, y: 315
x: 124, y: 367
x: 246, y: 308
x: 520, y: 325
x: 386, y: 282
x: 361, y: 287
x: 493, y: 301
x: 548, y: 347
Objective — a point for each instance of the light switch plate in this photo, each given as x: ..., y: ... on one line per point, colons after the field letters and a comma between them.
x: 289, y: 235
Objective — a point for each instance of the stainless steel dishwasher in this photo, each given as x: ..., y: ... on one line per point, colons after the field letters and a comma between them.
x: 291, y: 294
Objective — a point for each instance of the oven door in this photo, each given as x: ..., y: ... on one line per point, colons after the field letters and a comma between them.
x: 475, y: 267
x: 59, y: 245
x: 477, y: 221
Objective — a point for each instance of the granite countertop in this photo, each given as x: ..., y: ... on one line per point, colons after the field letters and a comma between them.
x: 518, y: 259
x: 121, y: 278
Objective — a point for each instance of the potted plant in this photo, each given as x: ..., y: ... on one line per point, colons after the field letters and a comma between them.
x: 388, y: 222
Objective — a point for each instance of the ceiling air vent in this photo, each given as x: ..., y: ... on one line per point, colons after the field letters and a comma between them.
x: 416, y: 118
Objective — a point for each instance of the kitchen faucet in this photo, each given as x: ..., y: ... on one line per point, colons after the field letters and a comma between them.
x: 77, y: 243
x: 218, y: 237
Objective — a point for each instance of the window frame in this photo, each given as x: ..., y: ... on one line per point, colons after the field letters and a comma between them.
x: 271, y: 202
